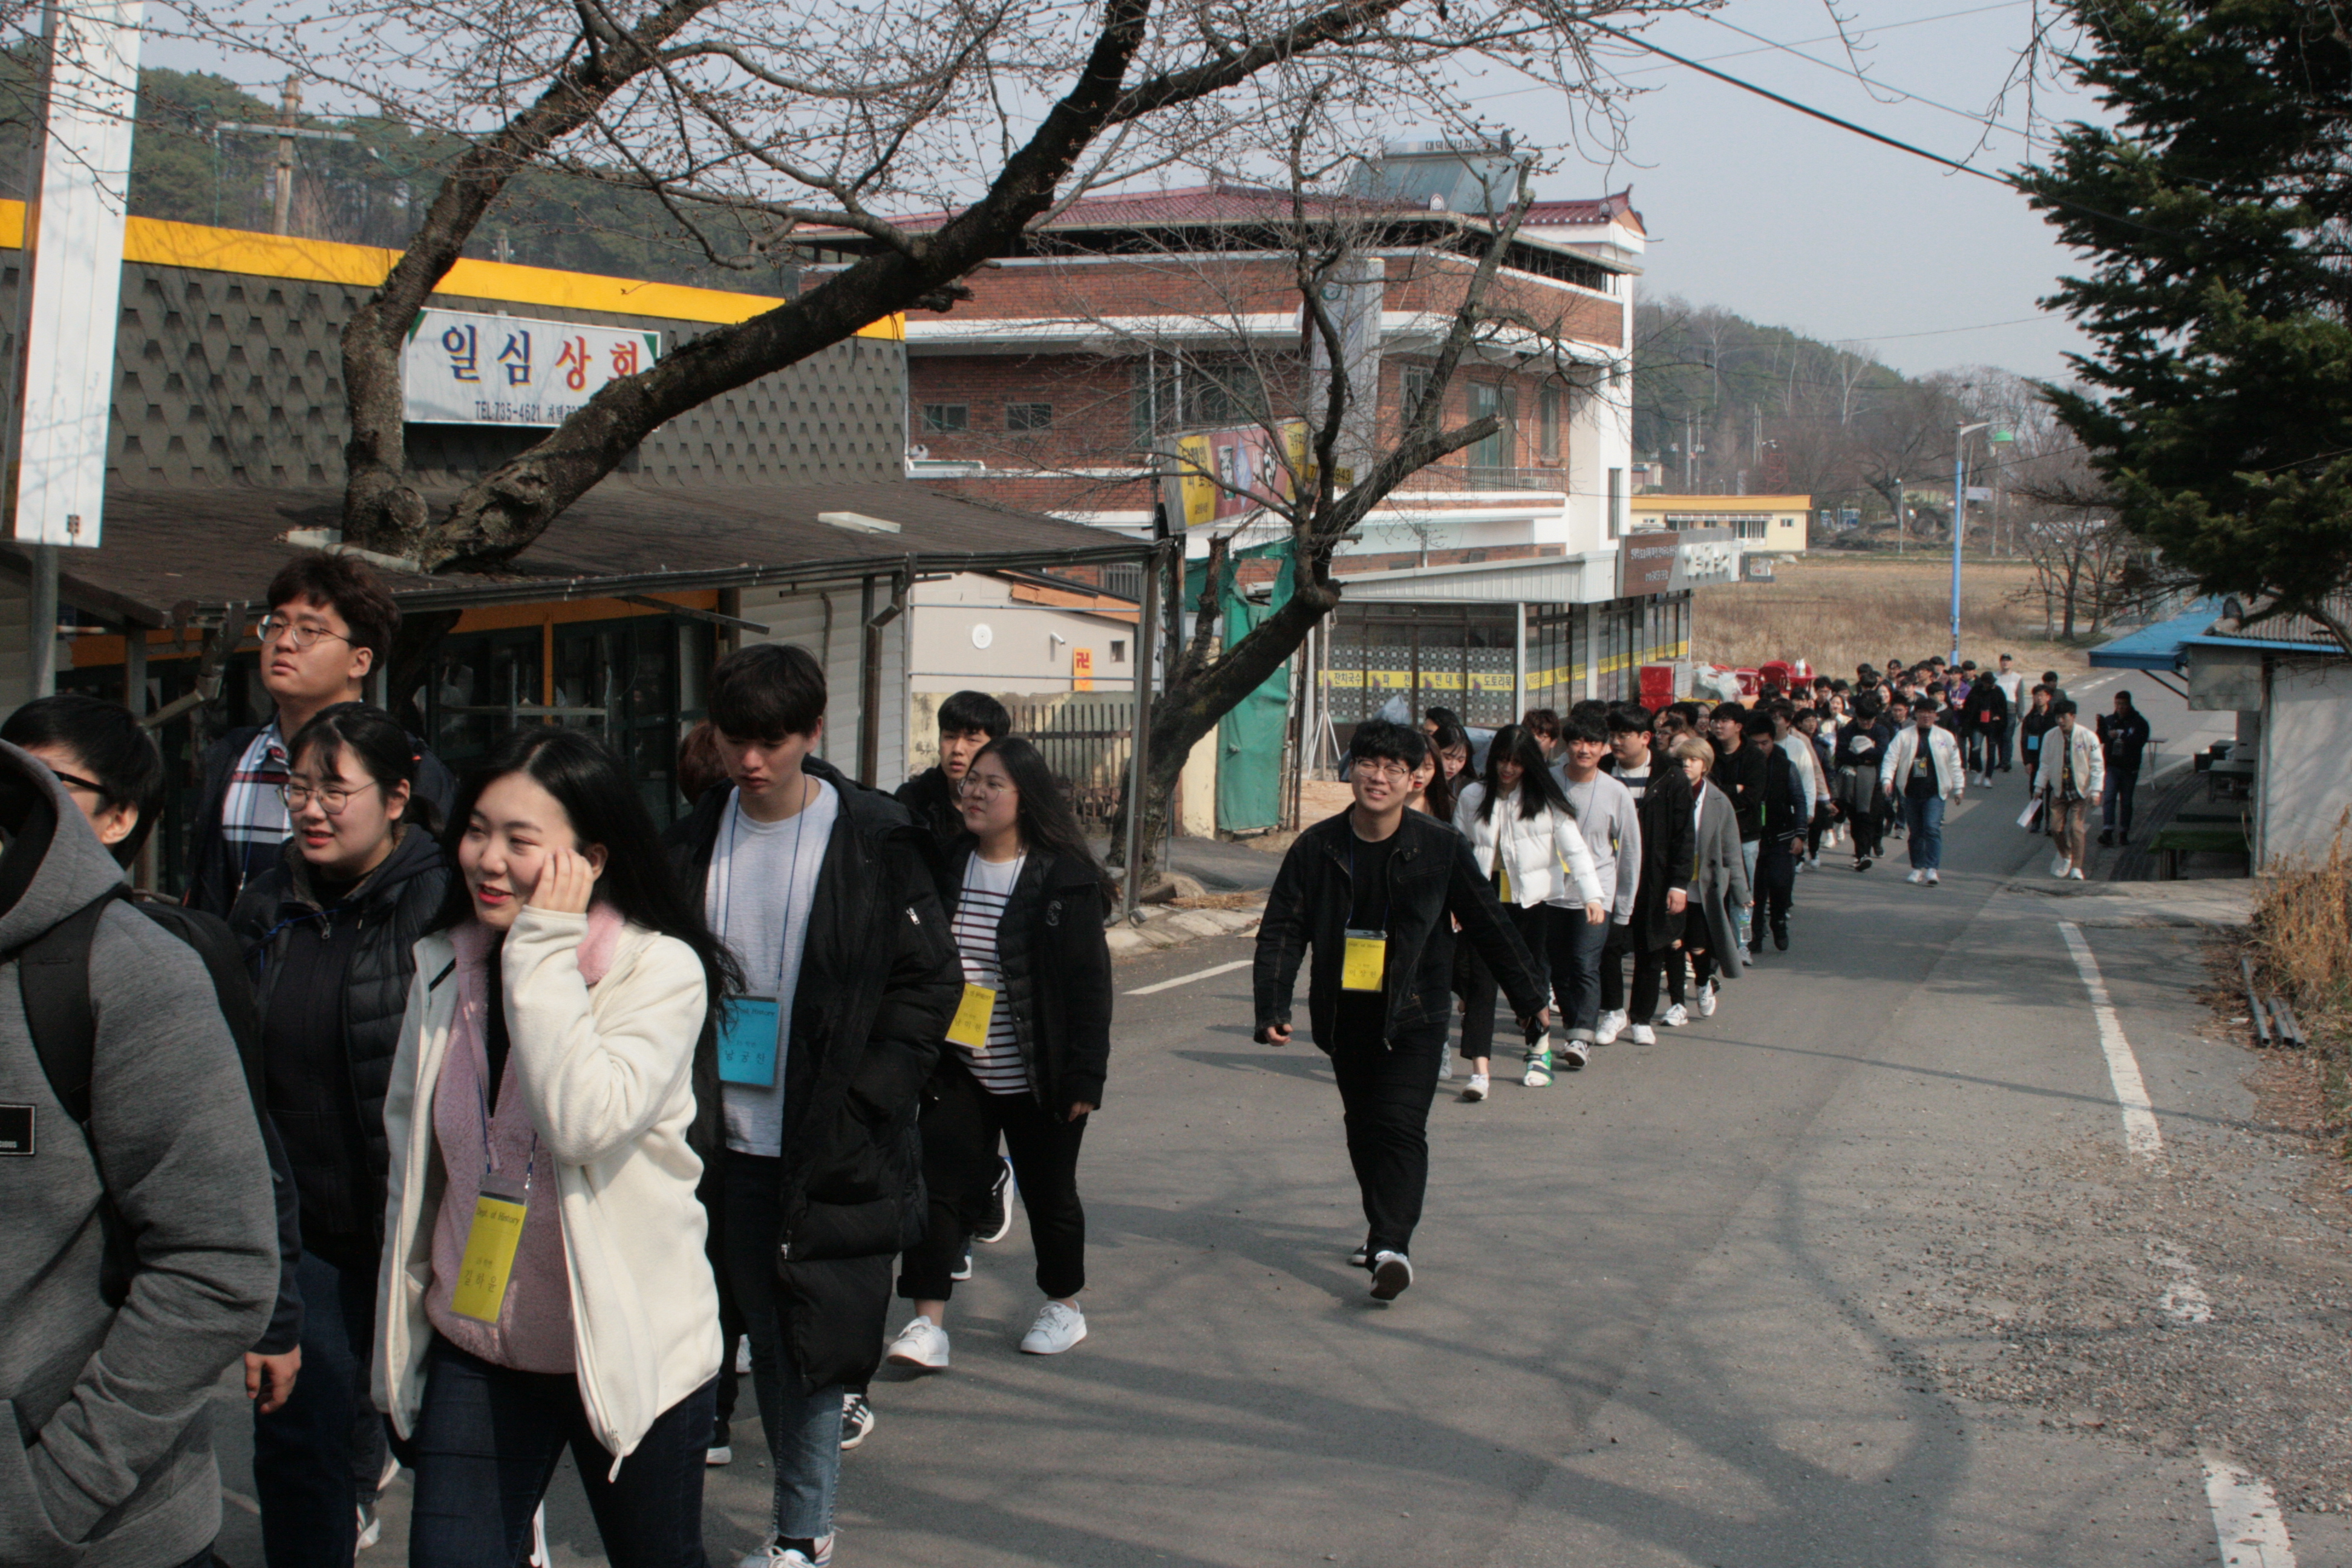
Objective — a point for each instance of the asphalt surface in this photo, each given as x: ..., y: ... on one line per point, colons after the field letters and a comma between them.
x: 1652, y: 1322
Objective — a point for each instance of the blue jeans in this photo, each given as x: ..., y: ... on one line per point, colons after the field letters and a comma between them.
x: 1923, y: 823
x: 1574, y: 947
x: 487, y: 1444
x: 317, y: 1458
x: 803, y: 1431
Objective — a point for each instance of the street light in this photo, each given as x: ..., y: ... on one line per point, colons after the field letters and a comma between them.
x: 1960, y: 511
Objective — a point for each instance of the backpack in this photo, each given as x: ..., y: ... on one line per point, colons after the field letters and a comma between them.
x: 53, y: 976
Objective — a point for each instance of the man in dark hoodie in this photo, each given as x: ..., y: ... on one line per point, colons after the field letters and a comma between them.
x: 822, y: 890
x: 138, y: 1251
x: 968, y: 721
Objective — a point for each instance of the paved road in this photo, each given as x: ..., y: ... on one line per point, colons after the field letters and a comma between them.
x: 1647, y: 1326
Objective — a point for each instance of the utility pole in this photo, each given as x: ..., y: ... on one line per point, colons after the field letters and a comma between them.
x: 290, y: 105
x: 1960, y: 434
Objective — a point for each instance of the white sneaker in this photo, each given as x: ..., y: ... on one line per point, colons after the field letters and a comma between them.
x: 1475, y: 1089
x: 1444, y: 1068
x: 1707, y: 1000
x: 964, y: 1271
x: 1059, y: 1326
x: 1391, y: 1272
x: 1915, y: 877
x: 742, y: 1356
x: 1933, y: 877
x: 1574, y: 1054
x: 1674, y: 1018
x: 1641, y: 1035
x: 2058, y: 865
x: 2077, y: 873
x: 767, y: 1554
x: 921, y: 1343
x: 371, y: 1529
x: 1613, y: 1023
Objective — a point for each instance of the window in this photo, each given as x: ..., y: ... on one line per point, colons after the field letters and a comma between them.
x: 947, y: 416
x: 1415, y: 386
x: 1616, y: 502
x: 1151, y: 398
x: 1494, y: 451
x: 1118, y: 650
x: 1028, y: 416
x: 1547, y: 423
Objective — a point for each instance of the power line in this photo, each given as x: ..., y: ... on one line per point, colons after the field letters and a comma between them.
x: 1984, y: 120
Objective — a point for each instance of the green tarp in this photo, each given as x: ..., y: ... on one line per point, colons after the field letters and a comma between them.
x: 1249, y: 739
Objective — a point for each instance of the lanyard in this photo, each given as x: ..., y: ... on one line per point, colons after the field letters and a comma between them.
x: 482, y: 1098
x: 792, y: 872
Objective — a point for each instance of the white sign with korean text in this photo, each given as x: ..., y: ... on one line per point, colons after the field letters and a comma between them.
x: 466, y: 369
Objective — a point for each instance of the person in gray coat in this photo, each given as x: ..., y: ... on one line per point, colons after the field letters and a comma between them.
x: 1720, y: 891
x: 138, y: 1252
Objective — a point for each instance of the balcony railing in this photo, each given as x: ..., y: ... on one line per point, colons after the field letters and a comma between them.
x: 1486, y: 477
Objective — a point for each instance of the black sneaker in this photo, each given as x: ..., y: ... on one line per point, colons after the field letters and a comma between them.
x: 721, y: 1451
x: 857, y: 1419
x: 1361, y: 1257
x: 999, y: 1216
x: 2106, y: 838
x: 1780, y: 937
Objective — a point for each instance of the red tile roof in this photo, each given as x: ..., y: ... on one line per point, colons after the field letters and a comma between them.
x: 1224, y: 201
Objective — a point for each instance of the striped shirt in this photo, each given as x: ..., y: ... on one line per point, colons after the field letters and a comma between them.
x: 987, y: 887
x: 253, y: 813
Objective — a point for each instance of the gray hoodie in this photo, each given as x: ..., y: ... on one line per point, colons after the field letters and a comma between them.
x: 104, y: 1382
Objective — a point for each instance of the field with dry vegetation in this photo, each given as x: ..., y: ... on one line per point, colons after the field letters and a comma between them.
x: 1840, y: 611
x: 2303, y: 947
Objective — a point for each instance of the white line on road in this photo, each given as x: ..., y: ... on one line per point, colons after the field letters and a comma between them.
x: 2141, y: 1135
x: 2246, y: 1521
x: 1188, y: 979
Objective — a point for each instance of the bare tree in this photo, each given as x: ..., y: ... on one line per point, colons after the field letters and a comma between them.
x: 751, y: 121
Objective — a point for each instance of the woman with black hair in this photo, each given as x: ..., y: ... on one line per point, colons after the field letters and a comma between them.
x: 329, y: 933
x: 1522, y: 833
x: 1437, y: 781
x: 544, y: 1280
x: 1030, y: 1047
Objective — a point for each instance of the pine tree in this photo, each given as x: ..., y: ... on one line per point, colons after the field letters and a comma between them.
x: 2217, y: 403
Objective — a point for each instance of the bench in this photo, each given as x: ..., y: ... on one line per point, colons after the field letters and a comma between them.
x: 2171, y: 843
x: 2234, y: 778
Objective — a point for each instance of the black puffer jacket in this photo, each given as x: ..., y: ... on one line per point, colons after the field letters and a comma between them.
x: 878, y: 983
x: 1669, y: 846
x: 391, y: 909
x: 1053, y: 929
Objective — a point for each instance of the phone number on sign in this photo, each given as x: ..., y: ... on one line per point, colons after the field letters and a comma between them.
x: 491, y: 413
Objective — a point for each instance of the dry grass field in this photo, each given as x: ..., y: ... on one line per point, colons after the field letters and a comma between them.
x: 1840, y: 611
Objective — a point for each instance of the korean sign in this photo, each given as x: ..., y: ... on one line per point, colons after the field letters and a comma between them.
x: 1226, y: 475
x: 467, y: 369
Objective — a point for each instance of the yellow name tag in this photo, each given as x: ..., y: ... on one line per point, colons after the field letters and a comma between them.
x: 1503, y: 884
x: 490, y: 1256
x: 971, y: 1026
x: 1365, y: 961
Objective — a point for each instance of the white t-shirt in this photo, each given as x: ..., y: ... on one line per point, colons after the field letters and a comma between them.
x: 980, y: 909
x: 761, y: 886
x: 2012, y: 686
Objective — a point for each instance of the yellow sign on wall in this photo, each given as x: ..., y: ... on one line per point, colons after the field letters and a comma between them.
x: 1082, y: 669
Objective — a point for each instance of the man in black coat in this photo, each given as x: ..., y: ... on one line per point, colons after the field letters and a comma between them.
x: 823, y: 892
x: 1374, y: 892
x: 1669, y: 848
x: 968, y: 721
x: 1781, y: 823
x: 1985, y: 724
x: 2123, y: 737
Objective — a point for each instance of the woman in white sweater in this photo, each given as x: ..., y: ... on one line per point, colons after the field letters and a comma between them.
x: 544, y: 1283
x: 1525, y: 839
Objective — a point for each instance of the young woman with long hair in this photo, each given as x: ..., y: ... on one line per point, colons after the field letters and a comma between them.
x: 1522, y: 834
x: 1027, y: 1053
x: 329, y: 934
x: 1438, y: 781
x: 544, y: 1281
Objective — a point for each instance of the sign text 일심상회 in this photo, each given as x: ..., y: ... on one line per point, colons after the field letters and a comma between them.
x: 461, y: 368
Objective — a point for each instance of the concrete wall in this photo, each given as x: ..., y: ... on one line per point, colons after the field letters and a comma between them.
x: 2306, y: 733
x: 1022, y: 655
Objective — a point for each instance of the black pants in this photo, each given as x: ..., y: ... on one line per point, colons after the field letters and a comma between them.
x: 1776, y: 884
x: 1649, y: 973
x: 1386, y: 1091
x: 1613, y: 953
x: 1480, y: 988
x: 2115, y: 800
x: 1870, y: 833
x: 1813, y: 831
x: 960, y: 1128
x: 323, y: 1450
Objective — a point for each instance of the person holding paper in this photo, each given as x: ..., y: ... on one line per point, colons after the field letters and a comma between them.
x: 1028, y: 1047
x: 544, y: 1284
x: 823, y: 892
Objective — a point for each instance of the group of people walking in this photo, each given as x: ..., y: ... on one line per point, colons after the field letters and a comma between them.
x: 484, y: 1119
x: 1533, y: 863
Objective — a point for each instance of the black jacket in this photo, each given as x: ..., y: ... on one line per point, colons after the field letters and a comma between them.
x: 214, y: 877
x: 2032, y: 727
x: 1431, y: 875
x: 2124, y: 737
x: 1987, y: 705
x: 930, y: 799
x: 1740, y: 776
x: 1786, y: 810
x: 385, y: 913
x: 878, y: 985
x: 1669, y: 847
x: 1053, y: 931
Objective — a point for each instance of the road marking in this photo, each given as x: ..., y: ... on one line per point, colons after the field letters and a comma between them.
x: 1188, y: 979
x: 2141, y: 1135
x: 2247, y: 1524
x: 2185, y: 1299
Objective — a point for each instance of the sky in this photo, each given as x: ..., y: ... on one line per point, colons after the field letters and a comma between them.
x: 1756, y: 209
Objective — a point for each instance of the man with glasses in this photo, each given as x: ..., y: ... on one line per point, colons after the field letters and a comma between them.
x: 1375, y: 891
x: 330, y: 623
